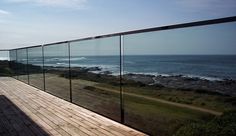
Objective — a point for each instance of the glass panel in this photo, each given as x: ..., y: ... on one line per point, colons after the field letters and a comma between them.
x: 181, y: 78
x: 4, y: 55
x: 95, y: 75
x: 22, y: 65
x: 56, y: 62
x: 4, y: 65
x: 13, y: 64
x: 35, y: 67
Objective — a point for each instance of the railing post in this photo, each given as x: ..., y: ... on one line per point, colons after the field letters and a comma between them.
x: 27, y: 66
x: 17, y: 76
x: 44, y: 86
x: 121, y: 79
x: 69, y: 57
x: 8, y: 62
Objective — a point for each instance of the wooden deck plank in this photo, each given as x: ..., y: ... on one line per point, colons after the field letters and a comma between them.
x: 31, y: 107
x: 94, y: 118
x: 53, y: 115
x: 65, y: 116
x: 40, y: 119
x: 90, y: 117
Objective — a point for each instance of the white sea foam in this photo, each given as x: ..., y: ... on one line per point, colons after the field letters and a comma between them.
x: 62, y: 64
x: 148, y: 73
x: 79, y: 58
x: 169, y: 75
x: 204, y: 77
x: 51, y: 59
x: 4, y: 58
x: 65, y: 59
x: 111, y: 68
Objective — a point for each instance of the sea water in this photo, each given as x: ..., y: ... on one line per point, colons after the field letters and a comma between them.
x: 211, y: 67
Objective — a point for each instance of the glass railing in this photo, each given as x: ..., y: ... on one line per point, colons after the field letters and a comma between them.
x: 172, y: 80
x: 168, y: 70
x: 56, y: 67
x: 22, y: 65
x: 35, y: 67
x: 95, y: 66
x: 4, y: 63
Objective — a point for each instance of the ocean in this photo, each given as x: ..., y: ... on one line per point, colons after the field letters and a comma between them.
x: 210, y: 67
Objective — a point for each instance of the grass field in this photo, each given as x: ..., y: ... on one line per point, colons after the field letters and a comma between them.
x: 153, y: 117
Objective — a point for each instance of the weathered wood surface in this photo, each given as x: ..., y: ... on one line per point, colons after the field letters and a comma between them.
x: 26, y: 111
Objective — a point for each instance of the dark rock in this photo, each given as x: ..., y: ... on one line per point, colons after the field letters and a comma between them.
x: 106, y: 72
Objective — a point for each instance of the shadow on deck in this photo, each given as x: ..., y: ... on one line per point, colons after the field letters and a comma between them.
x: 14, y: 122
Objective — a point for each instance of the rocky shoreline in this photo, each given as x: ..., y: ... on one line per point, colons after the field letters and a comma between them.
x: 221, y: 87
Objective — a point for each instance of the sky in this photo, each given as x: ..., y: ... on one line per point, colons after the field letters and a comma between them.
x: 35, y: 22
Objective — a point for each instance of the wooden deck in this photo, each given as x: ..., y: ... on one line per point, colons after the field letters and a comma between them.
x: 26, y: 111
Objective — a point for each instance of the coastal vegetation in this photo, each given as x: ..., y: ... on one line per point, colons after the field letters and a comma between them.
x: 4, y: 68
x: 224, y: 125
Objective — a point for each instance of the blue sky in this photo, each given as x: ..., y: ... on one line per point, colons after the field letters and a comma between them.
x: 33, y: 22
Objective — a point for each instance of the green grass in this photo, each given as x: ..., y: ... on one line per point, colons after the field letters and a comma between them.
x: 147, y: 115
x: 208, y: 101
x: 152, y: 114
x: 224, y: 125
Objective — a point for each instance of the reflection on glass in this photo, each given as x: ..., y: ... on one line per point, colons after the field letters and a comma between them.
x: 95, y: 75
x: 22, y: 70
x: 56, y: 67
x: 12, y: 63
x: 4, y: 55
x: 4, y: 65
x: 176, y: 79
x: 35, y: 67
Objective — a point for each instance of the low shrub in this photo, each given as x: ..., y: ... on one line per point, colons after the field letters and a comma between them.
x: 224, y: 125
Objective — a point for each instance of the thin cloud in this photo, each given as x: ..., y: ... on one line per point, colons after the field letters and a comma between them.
x: 54, y: 3
x: 4, y: 12
x: 3, y: 15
